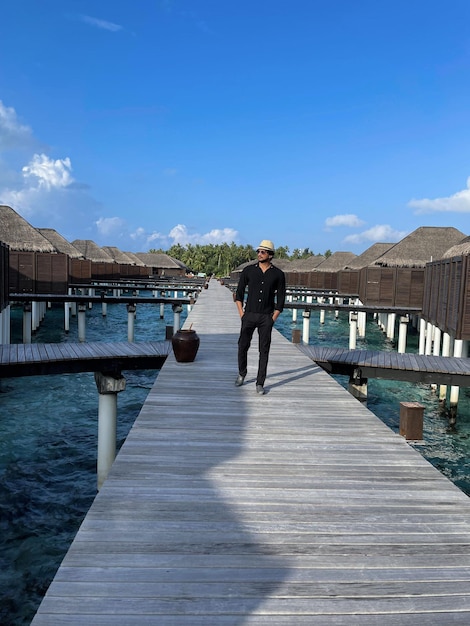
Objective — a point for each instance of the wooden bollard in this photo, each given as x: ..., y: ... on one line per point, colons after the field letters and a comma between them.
x: 168, y: 332
x: 296, y: 335
x: 411, y: 420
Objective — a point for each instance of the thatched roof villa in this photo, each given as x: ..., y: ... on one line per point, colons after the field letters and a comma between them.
x: 117, y: 255
x: 92, y: 251
x: 369, y: 256
x: 446, y: 301
x: 35, y: 265
x: 131, y: 266
x: 60, y: 243
x: 349, y: 277
x: 423, y: 245
x: 134, y: 258
x: 397, y: 277
x: 19, y: 235
x: 162, y: 264
x: 459, y: 249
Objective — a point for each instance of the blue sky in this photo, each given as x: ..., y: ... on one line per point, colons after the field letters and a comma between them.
x: 327, y: 124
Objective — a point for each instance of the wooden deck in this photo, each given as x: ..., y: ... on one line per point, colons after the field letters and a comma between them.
x: 297, y: 507
x: 37, y: 359
x: 408, y: 367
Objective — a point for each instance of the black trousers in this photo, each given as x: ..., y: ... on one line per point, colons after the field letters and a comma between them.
x: 264, y: 323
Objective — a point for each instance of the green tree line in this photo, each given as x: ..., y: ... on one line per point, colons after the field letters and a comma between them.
x: 221, y: 259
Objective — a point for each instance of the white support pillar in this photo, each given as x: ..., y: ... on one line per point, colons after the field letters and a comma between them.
x: 361, y: 323
x: 402, y: 332
x: 91, y: 292
x: 108, y: 388
x: 131, y: 308
x: 322, y: 316
x: 81, y: 321
x: 446, y: 347
x: 454, y: 390
x: 422, y: 336
x: 294, y: 315
x: 6, y: 314
x: 162, y: 310
x: 436, y: 349
x: 429, y: 334
x: 104, y: 309
x: 66, y: 316
x: 34, y: 316
x: 391, y: 326
x: 352, y: 330
x: 306, y: 326
x: 177, y: 309
x: 27, y: 322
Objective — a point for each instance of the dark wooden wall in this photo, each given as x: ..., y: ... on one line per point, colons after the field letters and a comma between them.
x: 4, y: 275
x: 446, y: 301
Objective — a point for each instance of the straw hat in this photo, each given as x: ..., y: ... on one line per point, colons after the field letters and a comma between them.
x: 266, y: 245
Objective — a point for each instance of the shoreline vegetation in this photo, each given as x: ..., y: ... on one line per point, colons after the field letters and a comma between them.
x: 221, y: 259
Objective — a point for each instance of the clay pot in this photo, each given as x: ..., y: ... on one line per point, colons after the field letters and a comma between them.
x: 185, y: 345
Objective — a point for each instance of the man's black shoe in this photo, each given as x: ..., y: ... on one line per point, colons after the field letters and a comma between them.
x: 240, y: 380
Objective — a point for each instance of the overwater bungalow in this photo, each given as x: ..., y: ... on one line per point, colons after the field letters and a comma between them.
x: 35, y: 264
x: 298, y: 270
x: 79, y: 268
x: 103, y: 266
x: 162, y: 265
x: 446, y: 303
x: 325, y: 275
x: 129, y: 267
x: 348, y: 278
x: 396, y: 278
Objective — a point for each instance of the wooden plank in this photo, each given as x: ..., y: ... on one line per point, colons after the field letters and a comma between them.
x: 297, y: 507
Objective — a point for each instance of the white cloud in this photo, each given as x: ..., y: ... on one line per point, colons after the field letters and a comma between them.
x: 381, y: 233
x: 13, y: 134
x: 49, y: 173
x: 349, y: 220
x: 110, y: 225
x: 457, y: 203
x: 103, y: 24
x: 40, y: 178
x: 179, y: 234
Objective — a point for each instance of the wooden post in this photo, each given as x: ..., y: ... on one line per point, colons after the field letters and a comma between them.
x: 296, y: 335
x: 411, y: 420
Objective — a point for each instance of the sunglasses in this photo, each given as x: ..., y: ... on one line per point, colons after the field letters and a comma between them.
x: 262, y: 252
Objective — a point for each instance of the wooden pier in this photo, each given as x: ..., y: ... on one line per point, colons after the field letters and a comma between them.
x: 293, y: 508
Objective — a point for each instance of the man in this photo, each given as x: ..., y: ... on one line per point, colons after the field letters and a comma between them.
x: 265, y: 302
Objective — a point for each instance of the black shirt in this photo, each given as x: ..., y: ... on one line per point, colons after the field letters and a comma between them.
x: 266, y: 290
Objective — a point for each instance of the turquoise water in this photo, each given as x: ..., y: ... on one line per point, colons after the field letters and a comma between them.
x: 48, y: 438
